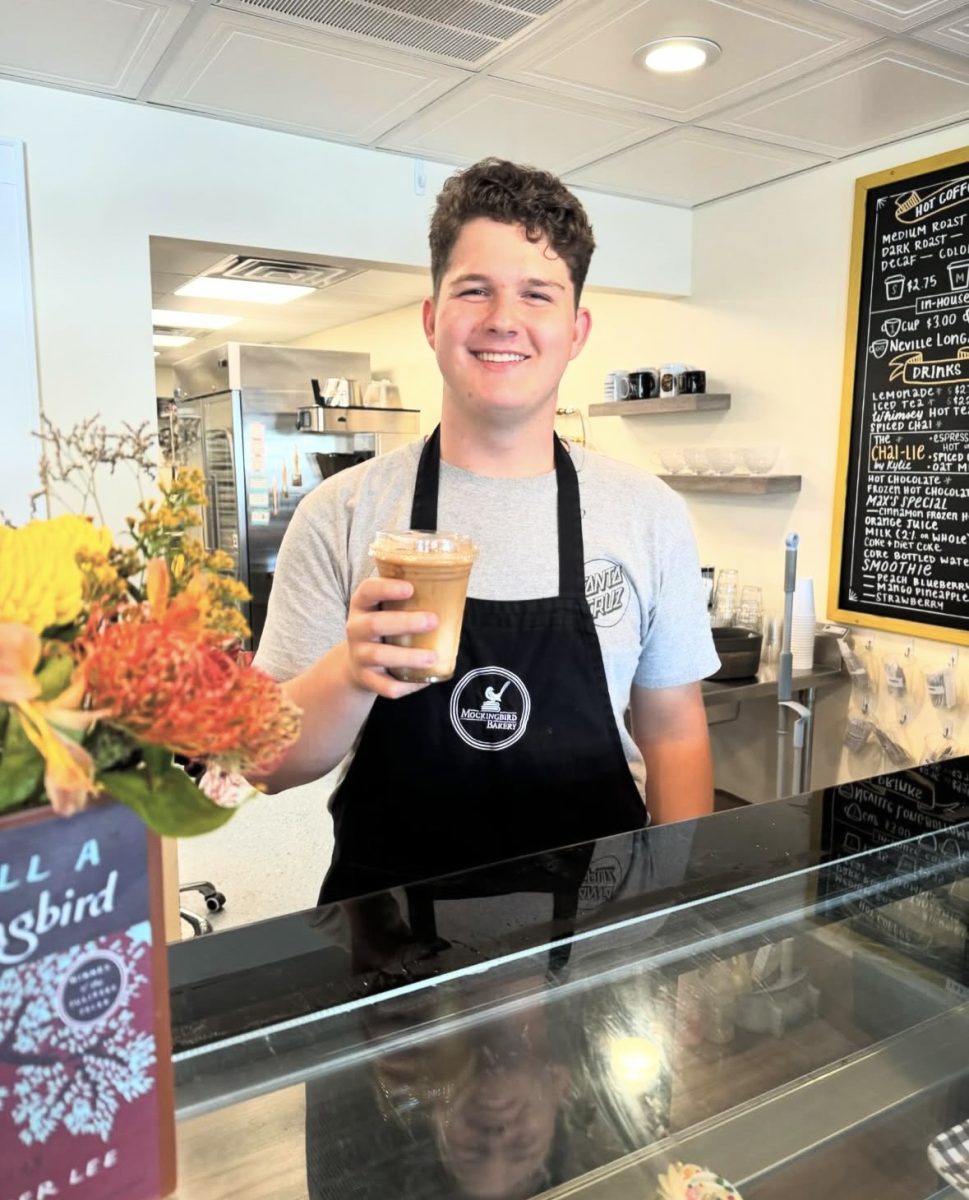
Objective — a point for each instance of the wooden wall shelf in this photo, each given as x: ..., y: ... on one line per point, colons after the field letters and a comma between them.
x: 661, y: 404
x: 738, y: 485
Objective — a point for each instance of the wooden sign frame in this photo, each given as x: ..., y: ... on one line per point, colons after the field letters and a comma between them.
x: 145, y: 894
x: 851, y: 616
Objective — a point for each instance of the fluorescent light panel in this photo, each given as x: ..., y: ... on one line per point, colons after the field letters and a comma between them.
x: 208, y: 287
x: 190, y: 320
x: 170, y: 340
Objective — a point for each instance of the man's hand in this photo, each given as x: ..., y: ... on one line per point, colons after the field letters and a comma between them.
x: 336, y: 694
x: 368, y: 656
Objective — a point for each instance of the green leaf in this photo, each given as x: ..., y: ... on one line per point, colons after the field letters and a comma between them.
x: 167, y: 801
x: 109, y: 747
x: 158, y: 760
x: 55, y: 675
x: 21, y: 767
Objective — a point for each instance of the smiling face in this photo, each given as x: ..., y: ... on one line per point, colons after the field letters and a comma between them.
x: 495, y: 1136
x: 503, y: 325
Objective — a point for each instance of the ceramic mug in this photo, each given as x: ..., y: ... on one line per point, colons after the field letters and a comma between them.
x: 693, y: 381
x: 643, y: 383
x: 671, y: 378
x: 617, y: 386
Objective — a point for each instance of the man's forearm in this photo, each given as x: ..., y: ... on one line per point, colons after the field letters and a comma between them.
x: 679, y: 778
x: 334, y: 709
x: 670, y: 728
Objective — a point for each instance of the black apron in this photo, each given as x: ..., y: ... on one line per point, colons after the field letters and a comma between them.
x: 517, y: 753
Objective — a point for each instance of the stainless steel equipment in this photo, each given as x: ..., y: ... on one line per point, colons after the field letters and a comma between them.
x: 338, y: 392
x: 239, y: 420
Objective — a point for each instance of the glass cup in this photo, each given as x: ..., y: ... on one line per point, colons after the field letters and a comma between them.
x: 696, y: 460
x: 773, y: 628
x: 437, y: 565
x: 759, y: 460
x: 750, y: 614
x: 722, y: 460
x: 728, y: 580
x: 672, y: 460
x: 726, y: 597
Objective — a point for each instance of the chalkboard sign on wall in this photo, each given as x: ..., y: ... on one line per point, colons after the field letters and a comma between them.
x: 900, y: 543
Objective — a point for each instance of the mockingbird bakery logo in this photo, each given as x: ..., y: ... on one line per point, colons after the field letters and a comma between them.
x: 490, y: 708
x: 607, y: 591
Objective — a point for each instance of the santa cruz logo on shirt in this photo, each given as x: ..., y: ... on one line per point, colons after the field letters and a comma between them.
x: 607, y: 591
x: 490, y: 708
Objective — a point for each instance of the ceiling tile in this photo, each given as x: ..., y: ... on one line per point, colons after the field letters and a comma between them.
x: 951, y: 34
x: 165, y: 282
x: 896, y: 15
x: 764, y: 43
x: 882, y: 95
x: 99, y: 45
x: 245, y: 68
x: 691, y: 166
x: 490, y: 116
x: 399, y: 286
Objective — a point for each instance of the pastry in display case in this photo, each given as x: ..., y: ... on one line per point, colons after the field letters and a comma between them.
x: 767, y: 1002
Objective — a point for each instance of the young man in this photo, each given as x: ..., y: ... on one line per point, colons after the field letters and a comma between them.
x: 585, y: 598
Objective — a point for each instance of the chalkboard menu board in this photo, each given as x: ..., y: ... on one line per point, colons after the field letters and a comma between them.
x: 900, y: 545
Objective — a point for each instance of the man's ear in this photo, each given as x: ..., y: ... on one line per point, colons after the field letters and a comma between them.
x: 428, y: 314
x: 580, y: 333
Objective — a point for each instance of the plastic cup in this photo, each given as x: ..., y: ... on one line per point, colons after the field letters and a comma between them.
x: 438, y: 566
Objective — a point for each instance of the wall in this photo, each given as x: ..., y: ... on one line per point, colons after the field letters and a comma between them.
x: 19, y: 452
x: 164, y: 381
x: 104, y: 175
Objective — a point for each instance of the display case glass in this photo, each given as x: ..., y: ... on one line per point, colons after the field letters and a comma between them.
x: 778, y: 993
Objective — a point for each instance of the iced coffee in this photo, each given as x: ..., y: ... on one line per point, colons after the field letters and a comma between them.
x: 437, y: 565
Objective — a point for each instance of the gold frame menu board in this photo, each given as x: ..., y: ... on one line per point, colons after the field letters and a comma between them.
x: 900, y: 535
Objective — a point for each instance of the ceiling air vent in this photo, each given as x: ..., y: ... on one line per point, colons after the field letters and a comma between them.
x: 465, y: 31
x: 277, y: 270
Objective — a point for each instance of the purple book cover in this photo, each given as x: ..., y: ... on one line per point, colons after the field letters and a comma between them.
x: 81, y: 1091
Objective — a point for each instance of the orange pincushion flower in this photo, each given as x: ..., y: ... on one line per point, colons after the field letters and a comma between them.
x: 166, y: 685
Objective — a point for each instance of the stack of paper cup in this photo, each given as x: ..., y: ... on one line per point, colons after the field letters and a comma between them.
x: 802, y: 626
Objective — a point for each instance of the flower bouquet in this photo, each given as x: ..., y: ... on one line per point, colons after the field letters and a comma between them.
x: 117, y: 661
x: 122, y: 681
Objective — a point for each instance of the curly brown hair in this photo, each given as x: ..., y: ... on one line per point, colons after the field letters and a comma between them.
x: 513, y: 195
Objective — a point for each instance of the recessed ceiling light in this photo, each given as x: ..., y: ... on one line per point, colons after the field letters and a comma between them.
x: 209, y: 287
x: 170, y: 340
x: 675, y: 54
x: 190, y: 320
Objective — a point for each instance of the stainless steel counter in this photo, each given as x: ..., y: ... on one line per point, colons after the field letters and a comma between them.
x: 724, y: 698
x: 764, y: 684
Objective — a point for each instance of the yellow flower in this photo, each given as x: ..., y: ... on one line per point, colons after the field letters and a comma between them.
x: 41, y: 584
x: 68, y: 768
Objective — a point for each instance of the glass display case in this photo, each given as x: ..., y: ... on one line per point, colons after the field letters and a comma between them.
x: 778, y: 993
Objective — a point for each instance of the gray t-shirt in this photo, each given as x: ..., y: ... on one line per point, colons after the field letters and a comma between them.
x: 642, y: 575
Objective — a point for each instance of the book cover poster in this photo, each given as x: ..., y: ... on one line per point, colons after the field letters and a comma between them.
x: 79, y: 1106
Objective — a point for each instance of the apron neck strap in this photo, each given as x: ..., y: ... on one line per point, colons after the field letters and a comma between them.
x: 571, y: 556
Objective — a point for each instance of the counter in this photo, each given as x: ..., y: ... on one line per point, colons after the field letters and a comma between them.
x: 779, y: 992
